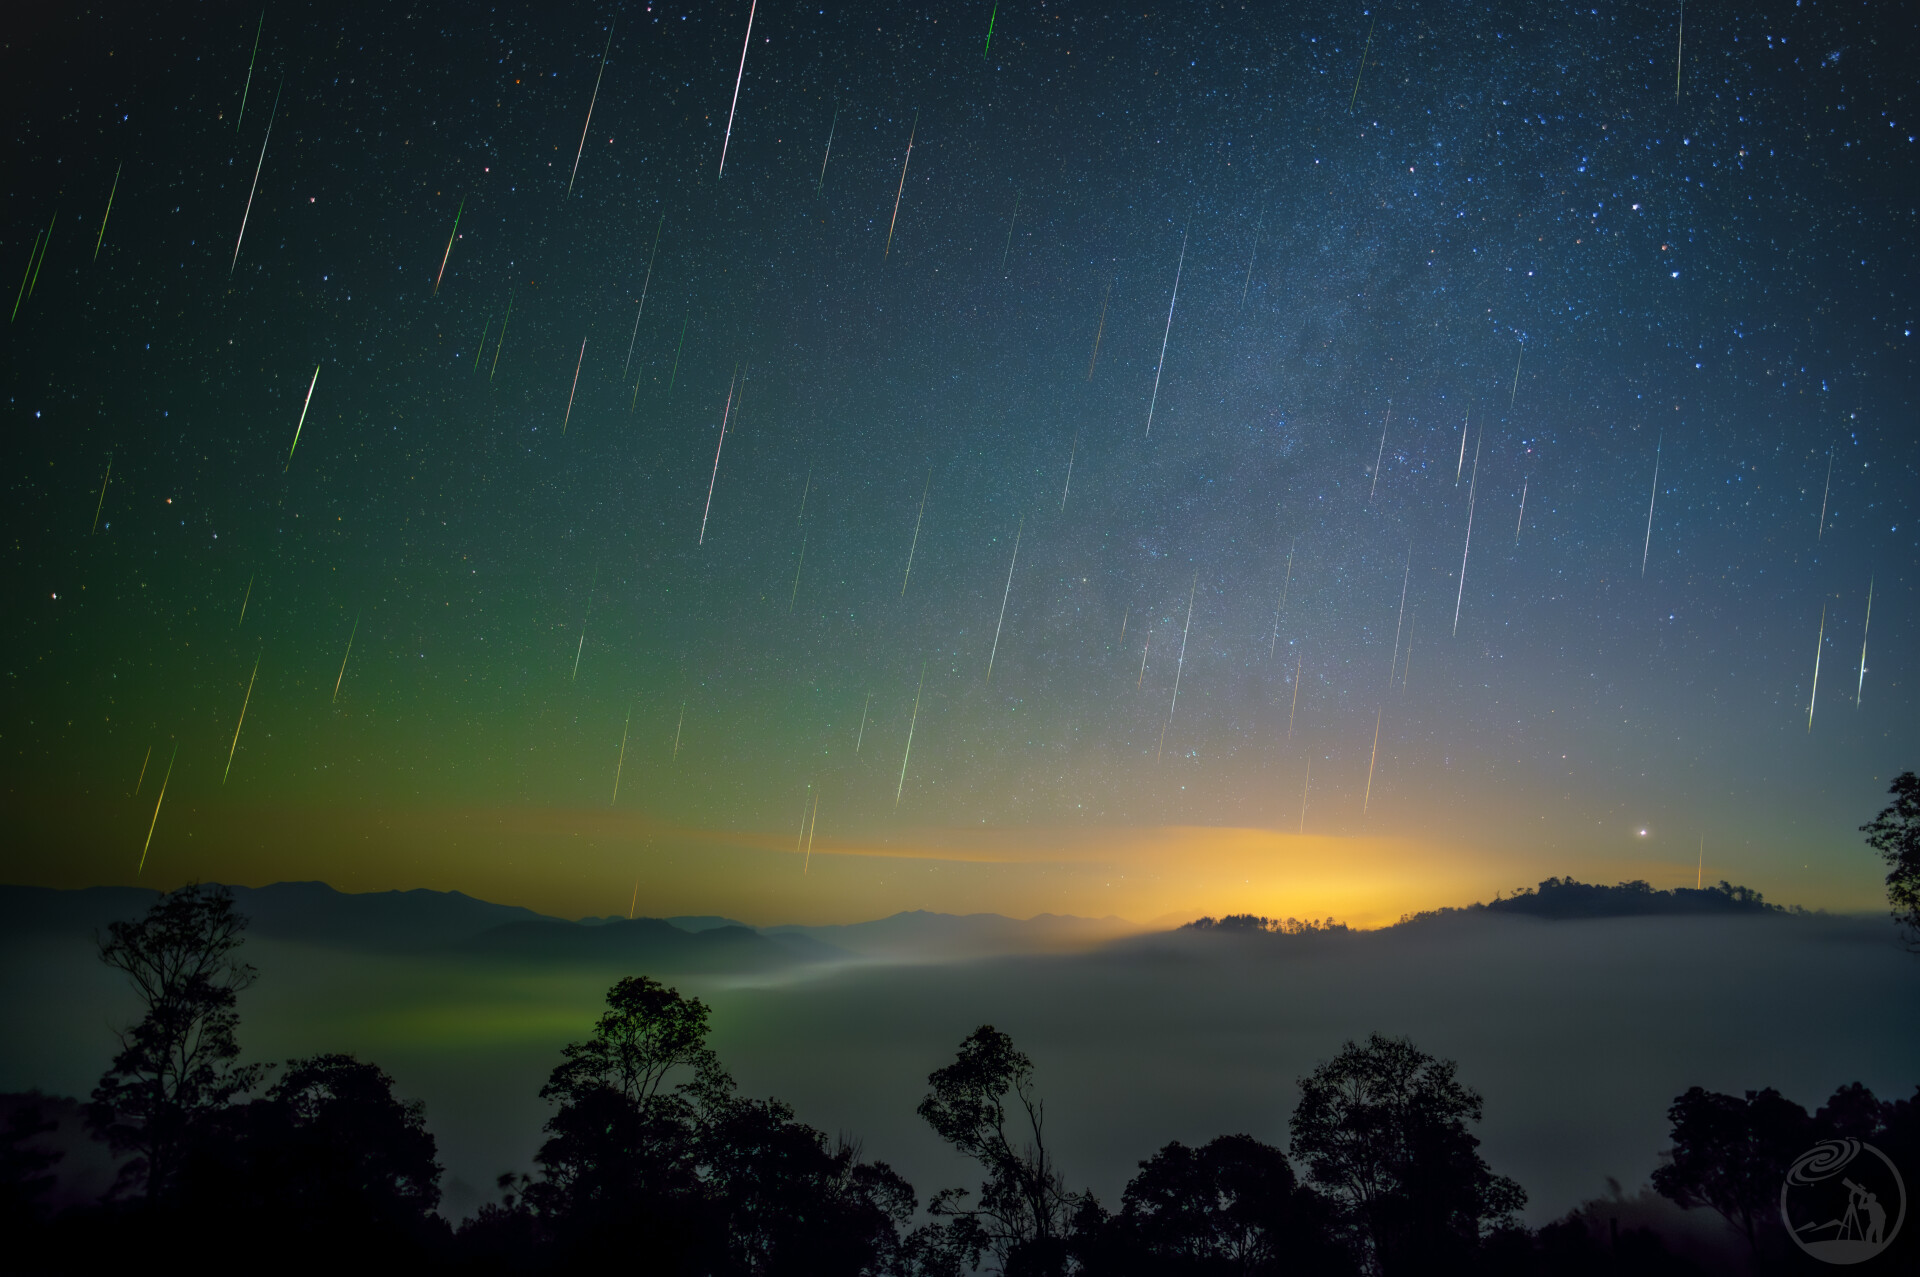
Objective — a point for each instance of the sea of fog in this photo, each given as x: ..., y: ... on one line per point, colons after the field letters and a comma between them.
x: 1578, y: 1034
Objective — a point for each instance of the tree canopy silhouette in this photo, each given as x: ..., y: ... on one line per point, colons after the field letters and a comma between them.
x: 986, y: 1106
x: 179, y: 1066
x: 1382, y: 1129
x: 1895, y: 834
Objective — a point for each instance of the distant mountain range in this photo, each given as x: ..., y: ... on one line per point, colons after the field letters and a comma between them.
x: 450, y: 923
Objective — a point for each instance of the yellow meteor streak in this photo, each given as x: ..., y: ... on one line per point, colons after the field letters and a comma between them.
x: 343, y: 662
x: 156, y: 810
x: 109, y: 213
x: 1368, y: 800
x: 101, y: 503
x: 237, y: 726
x: 925, y: 488
x: 617, y: 768
x: 914, y: 132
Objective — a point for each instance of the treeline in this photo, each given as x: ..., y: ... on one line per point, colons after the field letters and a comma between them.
x: 654, y: 1162
x: 1564, y: 899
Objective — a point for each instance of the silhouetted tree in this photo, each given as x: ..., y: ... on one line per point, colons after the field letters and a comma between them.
x: 1230, y: 1208
x: 1895, y: 834
x: 1023, y: 1210
x: 652, y: 1158
x: 1732, y: 1154
x: 1383, y: 1129
x: 327, y: 1167
x: 178, y: 1067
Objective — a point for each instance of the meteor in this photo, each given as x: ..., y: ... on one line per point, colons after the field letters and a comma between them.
x: 1304, y: 784
x: 618, y: 767
x: 481, y: 349
x: 1368, y: 799
x: 576, y: 387
x: 142, y: 779
x: 1380, y: 455
x: 806, y: 802
x: 676, y: 732
x: 114, y: 190
x: 243, y: 602
x: 989, y: 44
x: 102, y: 502
x: 911, y: 134
x: 242, y: 238
x: 715, y: 478
x: 1472, y: 489
x: 911, y: 724
x: 307, y: 403
x: 581, y: 645
x: 1679, y: 47
x: 643, y: 303
x: 829, y: 152
x: 1274, y: 646
x: 351, y: 635
x: 1356, y: 78
x: 1178, y: 669
x: 595, y: 98
x: 1248, y: 282
x: 795, y: 592
x: 1522, y: 520
x: 451, y: 236
x: 254, y: 57
x: 1461, y: 464
x: 1296, y: 693
x: 812, y: 825
x: 1821, y: 531
x: 1818, y: 644
x: 1008, y: 247
x: 1159, y: 367
x: 1512, y: 394
x: 863, y: 723
x: 1404, y: 574
x: 1408, y: 663
x: 804, y: 490
x: 156, y: 809
x: 1066, y: 487
x: 1863, y: 646
x: 236, y: 728
x: 1144, y: 649
x: 916, y: 532
x: 32, y: 255
x: 499, y: 345
x: 675, y: 374
x: 740, y: 75
x: 1003, y: 598
x: 1100, y: 331
x: 1651, y: 498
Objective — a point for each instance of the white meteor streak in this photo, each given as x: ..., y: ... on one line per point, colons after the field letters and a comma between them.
x: 1368, y: 800
x: 590, y: 104
x: 576, y: 386
x: 1178, y: 669
x: 296, y: 431
x: 1404, y: 574
x: 744, y: 46
x: 1651, y: 498
x: 1473, y: 486
x: 1818, y: 643
x: 1003, y: 597
x: 256, y: 180
x: 1863, y: 646
x: 1171, y: 302
x: 716, y: 464
x: 1381, y: 454
x: 911, y: 724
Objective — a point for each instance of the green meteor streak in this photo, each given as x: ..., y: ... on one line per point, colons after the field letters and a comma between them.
x: 109, y: 213
x: 250, y: 61
x: 1363, y: 65
x: 989, y: 44
x: 503, y: 336
x: 44, y: 245
x: 32, y: 254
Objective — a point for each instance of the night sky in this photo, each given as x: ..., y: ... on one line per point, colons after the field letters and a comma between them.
x: 1501, y: 260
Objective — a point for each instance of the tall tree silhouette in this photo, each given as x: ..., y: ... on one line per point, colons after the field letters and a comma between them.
x: 1382, y: 1128
x: 1732, y: 1153
x: 1895, y: 834
x: 179, y: 1066
x: 986, y: 1106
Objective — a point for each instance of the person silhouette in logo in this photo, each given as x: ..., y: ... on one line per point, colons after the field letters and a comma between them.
x: 1875, y: 1212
